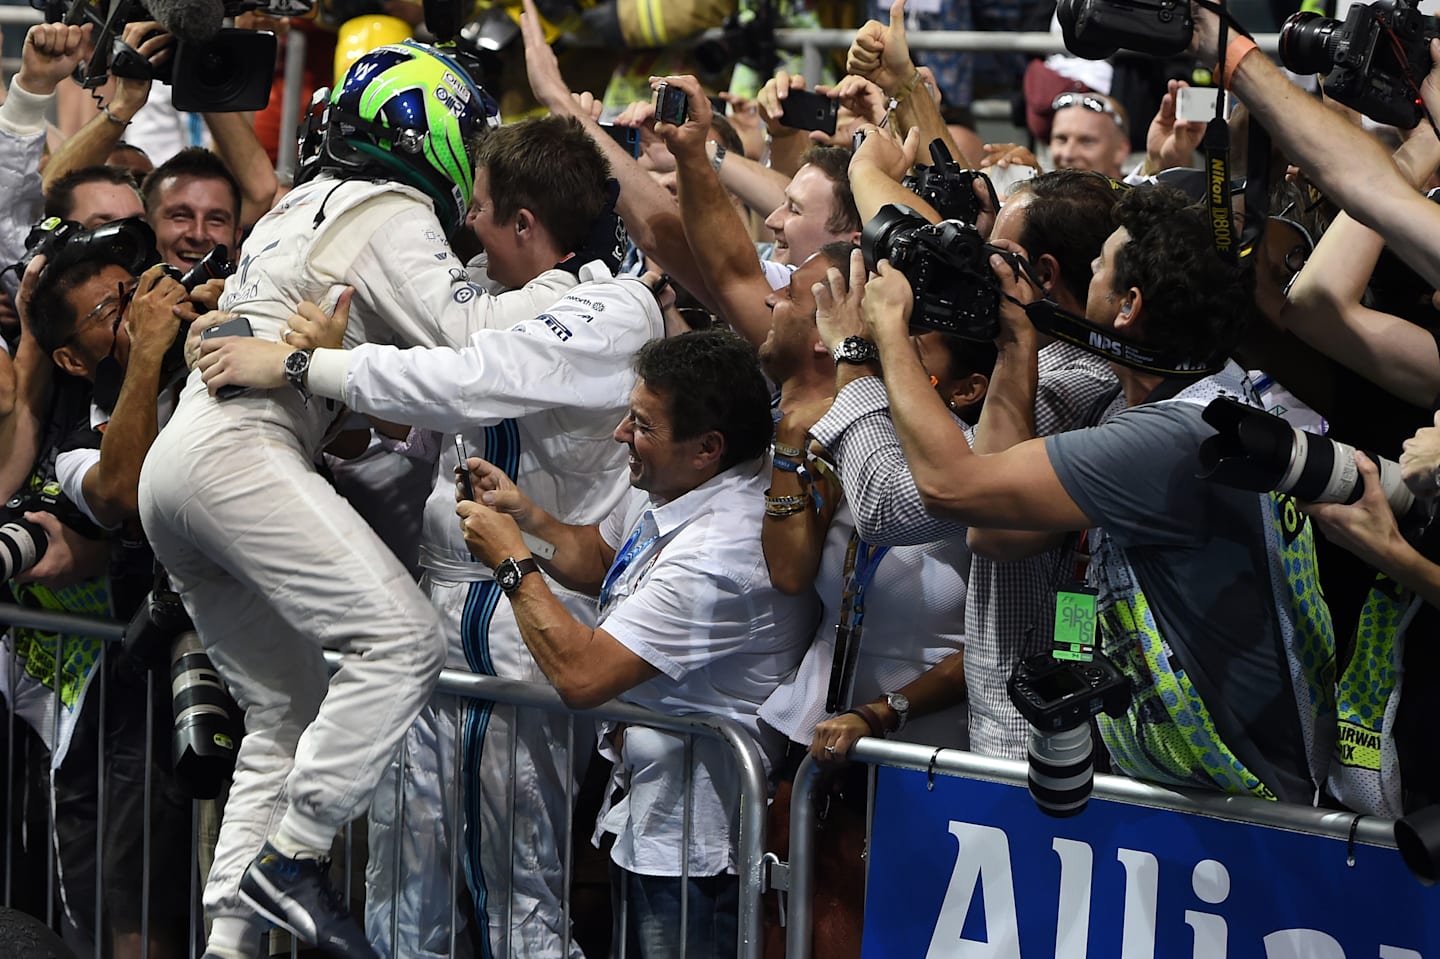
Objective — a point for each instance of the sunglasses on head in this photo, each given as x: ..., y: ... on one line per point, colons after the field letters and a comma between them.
x: 1085, y: 101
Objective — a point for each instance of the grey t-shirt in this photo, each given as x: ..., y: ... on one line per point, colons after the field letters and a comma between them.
x: 1198, y: 550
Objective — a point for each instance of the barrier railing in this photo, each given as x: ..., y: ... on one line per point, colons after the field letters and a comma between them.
x: 750, y: 769
x: 938, y: 765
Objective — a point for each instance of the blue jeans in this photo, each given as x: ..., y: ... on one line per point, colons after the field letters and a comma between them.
x: 649, y: 908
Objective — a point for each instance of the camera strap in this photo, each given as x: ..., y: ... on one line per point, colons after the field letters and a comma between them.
x: 861, y: 561
x: 1049, y: 318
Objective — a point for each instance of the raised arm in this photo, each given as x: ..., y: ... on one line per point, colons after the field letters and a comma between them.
x: 92, y: 143
x: 238, y: 146
x: 722, y: 246
x: 1323, y: 305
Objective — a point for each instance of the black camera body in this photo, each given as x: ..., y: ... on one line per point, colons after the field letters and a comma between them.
x: 129, y: 243
x: 1057, y: 698
x: 672, y: 105
x: 947, y: 265
x: 949, y: 187
x: 1096, y: 29
x: 1056, y: 695
x: 1373, y: 61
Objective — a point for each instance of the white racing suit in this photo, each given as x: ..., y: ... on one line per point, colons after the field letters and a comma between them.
x: 540, y: 401
x: 270, y: 561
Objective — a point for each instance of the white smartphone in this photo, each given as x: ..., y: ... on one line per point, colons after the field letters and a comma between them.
x: 1197, y: 104
x: 1004, y: 178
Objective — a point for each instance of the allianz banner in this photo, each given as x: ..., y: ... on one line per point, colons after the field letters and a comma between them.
x: 972, y: 870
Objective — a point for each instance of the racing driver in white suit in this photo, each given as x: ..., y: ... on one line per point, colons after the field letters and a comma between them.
x: 542, y: 397
x: 270, y: 561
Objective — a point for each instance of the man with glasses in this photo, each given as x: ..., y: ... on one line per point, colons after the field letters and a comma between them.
x: 1088, y: 132
x: 110, y: 331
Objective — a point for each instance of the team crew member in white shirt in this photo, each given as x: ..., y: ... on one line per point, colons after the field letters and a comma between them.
x: 689, y: 622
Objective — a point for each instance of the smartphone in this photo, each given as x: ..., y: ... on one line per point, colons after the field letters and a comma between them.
x: 805, y: 110
x: 1003, y: 179
x: 1197, y: 104
x: 671, y: 104
x: 235, y: 326
x: 627, y: 137
x: 463, y: 474
x: 718, y: 106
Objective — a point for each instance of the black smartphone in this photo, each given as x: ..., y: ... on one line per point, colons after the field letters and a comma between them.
x: 627, y: 137
x: 463, y: 474
x: 671, y: 104
x: 235, y: 326
x: 810, y: 111
x: 718, y: 106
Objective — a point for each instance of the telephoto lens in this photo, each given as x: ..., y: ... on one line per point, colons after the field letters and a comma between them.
x: 1255, y: 450
x: 22, y: 545
x: 1062, y: 769
x: 204, y: 740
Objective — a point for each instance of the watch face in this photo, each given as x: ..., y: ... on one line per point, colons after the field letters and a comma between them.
x: 507, y: 575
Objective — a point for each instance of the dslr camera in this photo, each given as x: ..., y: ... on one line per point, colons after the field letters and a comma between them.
x: 1372, y: 61
x: 22, y: 542
x: 1096, y: 29
x: 947, y: 265
x: 948, y: 187
x: 1057, y: 697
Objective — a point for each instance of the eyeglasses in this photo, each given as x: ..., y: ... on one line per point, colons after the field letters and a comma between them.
x: 119, y: 302
x: 1085, y: 101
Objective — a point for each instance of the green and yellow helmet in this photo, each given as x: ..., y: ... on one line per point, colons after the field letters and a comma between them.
x: 408, y: 112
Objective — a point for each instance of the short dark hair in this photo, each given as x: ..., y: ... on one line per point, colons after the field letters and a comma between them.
x: 551, y: 167
x: 1069, y: 216
x: 729, y: 137
x: 60, y: 197
x: 712, y: 381
x: 1196, y: 303
x: 50, y: 317
x: 834, y: 162
x: 196, y: 162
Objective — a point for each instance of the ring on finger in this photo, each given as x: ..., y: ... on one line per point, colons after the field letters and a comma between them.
x: 285, y: 335
x: 830, y: 749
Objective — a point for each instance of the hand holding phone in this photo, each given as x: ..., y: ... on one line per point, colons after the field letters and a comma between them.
x: 806, y: 110
x: 235, y: 326
x: 1196, y: 104
x: 462, y: 472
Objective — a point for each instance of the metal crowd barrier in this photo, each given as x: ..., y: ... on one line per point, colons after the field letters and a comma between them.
x: 750, y: 768
x: 1349, y: 827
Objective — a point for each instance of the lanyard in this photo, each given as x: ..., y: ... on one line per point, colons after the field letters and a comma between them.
x: 861, y: 561
x: 633, y: 547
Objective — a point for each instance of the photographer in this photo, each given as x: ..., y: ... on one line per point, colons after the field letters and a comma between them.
x: 1205, y: 561
x: 1061, y: 218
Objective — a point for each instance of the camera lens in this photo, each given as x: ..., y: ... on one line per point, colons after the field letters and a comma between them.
x: 1306, y: 46
x: 204, y: 744
x: 1062, y: 770
x: 22, y: 544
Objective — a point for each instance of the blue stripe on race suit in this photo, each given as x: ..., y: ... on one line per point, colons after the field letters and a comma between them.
x: 502, y: 447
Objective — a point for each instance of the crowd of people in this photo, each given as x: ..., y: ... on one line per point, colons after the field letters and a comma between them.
x: 804, y: 430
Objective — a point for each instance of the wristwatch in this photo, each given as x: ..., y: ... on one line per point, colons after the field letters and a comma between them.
x: 855, y: 349
x: 510, y: 571
x: 297, y: 368
x: 899, y: 703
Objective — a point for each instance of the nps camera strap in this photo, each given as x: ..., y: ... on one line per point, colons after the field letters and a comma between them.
x: 1049, y: 318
